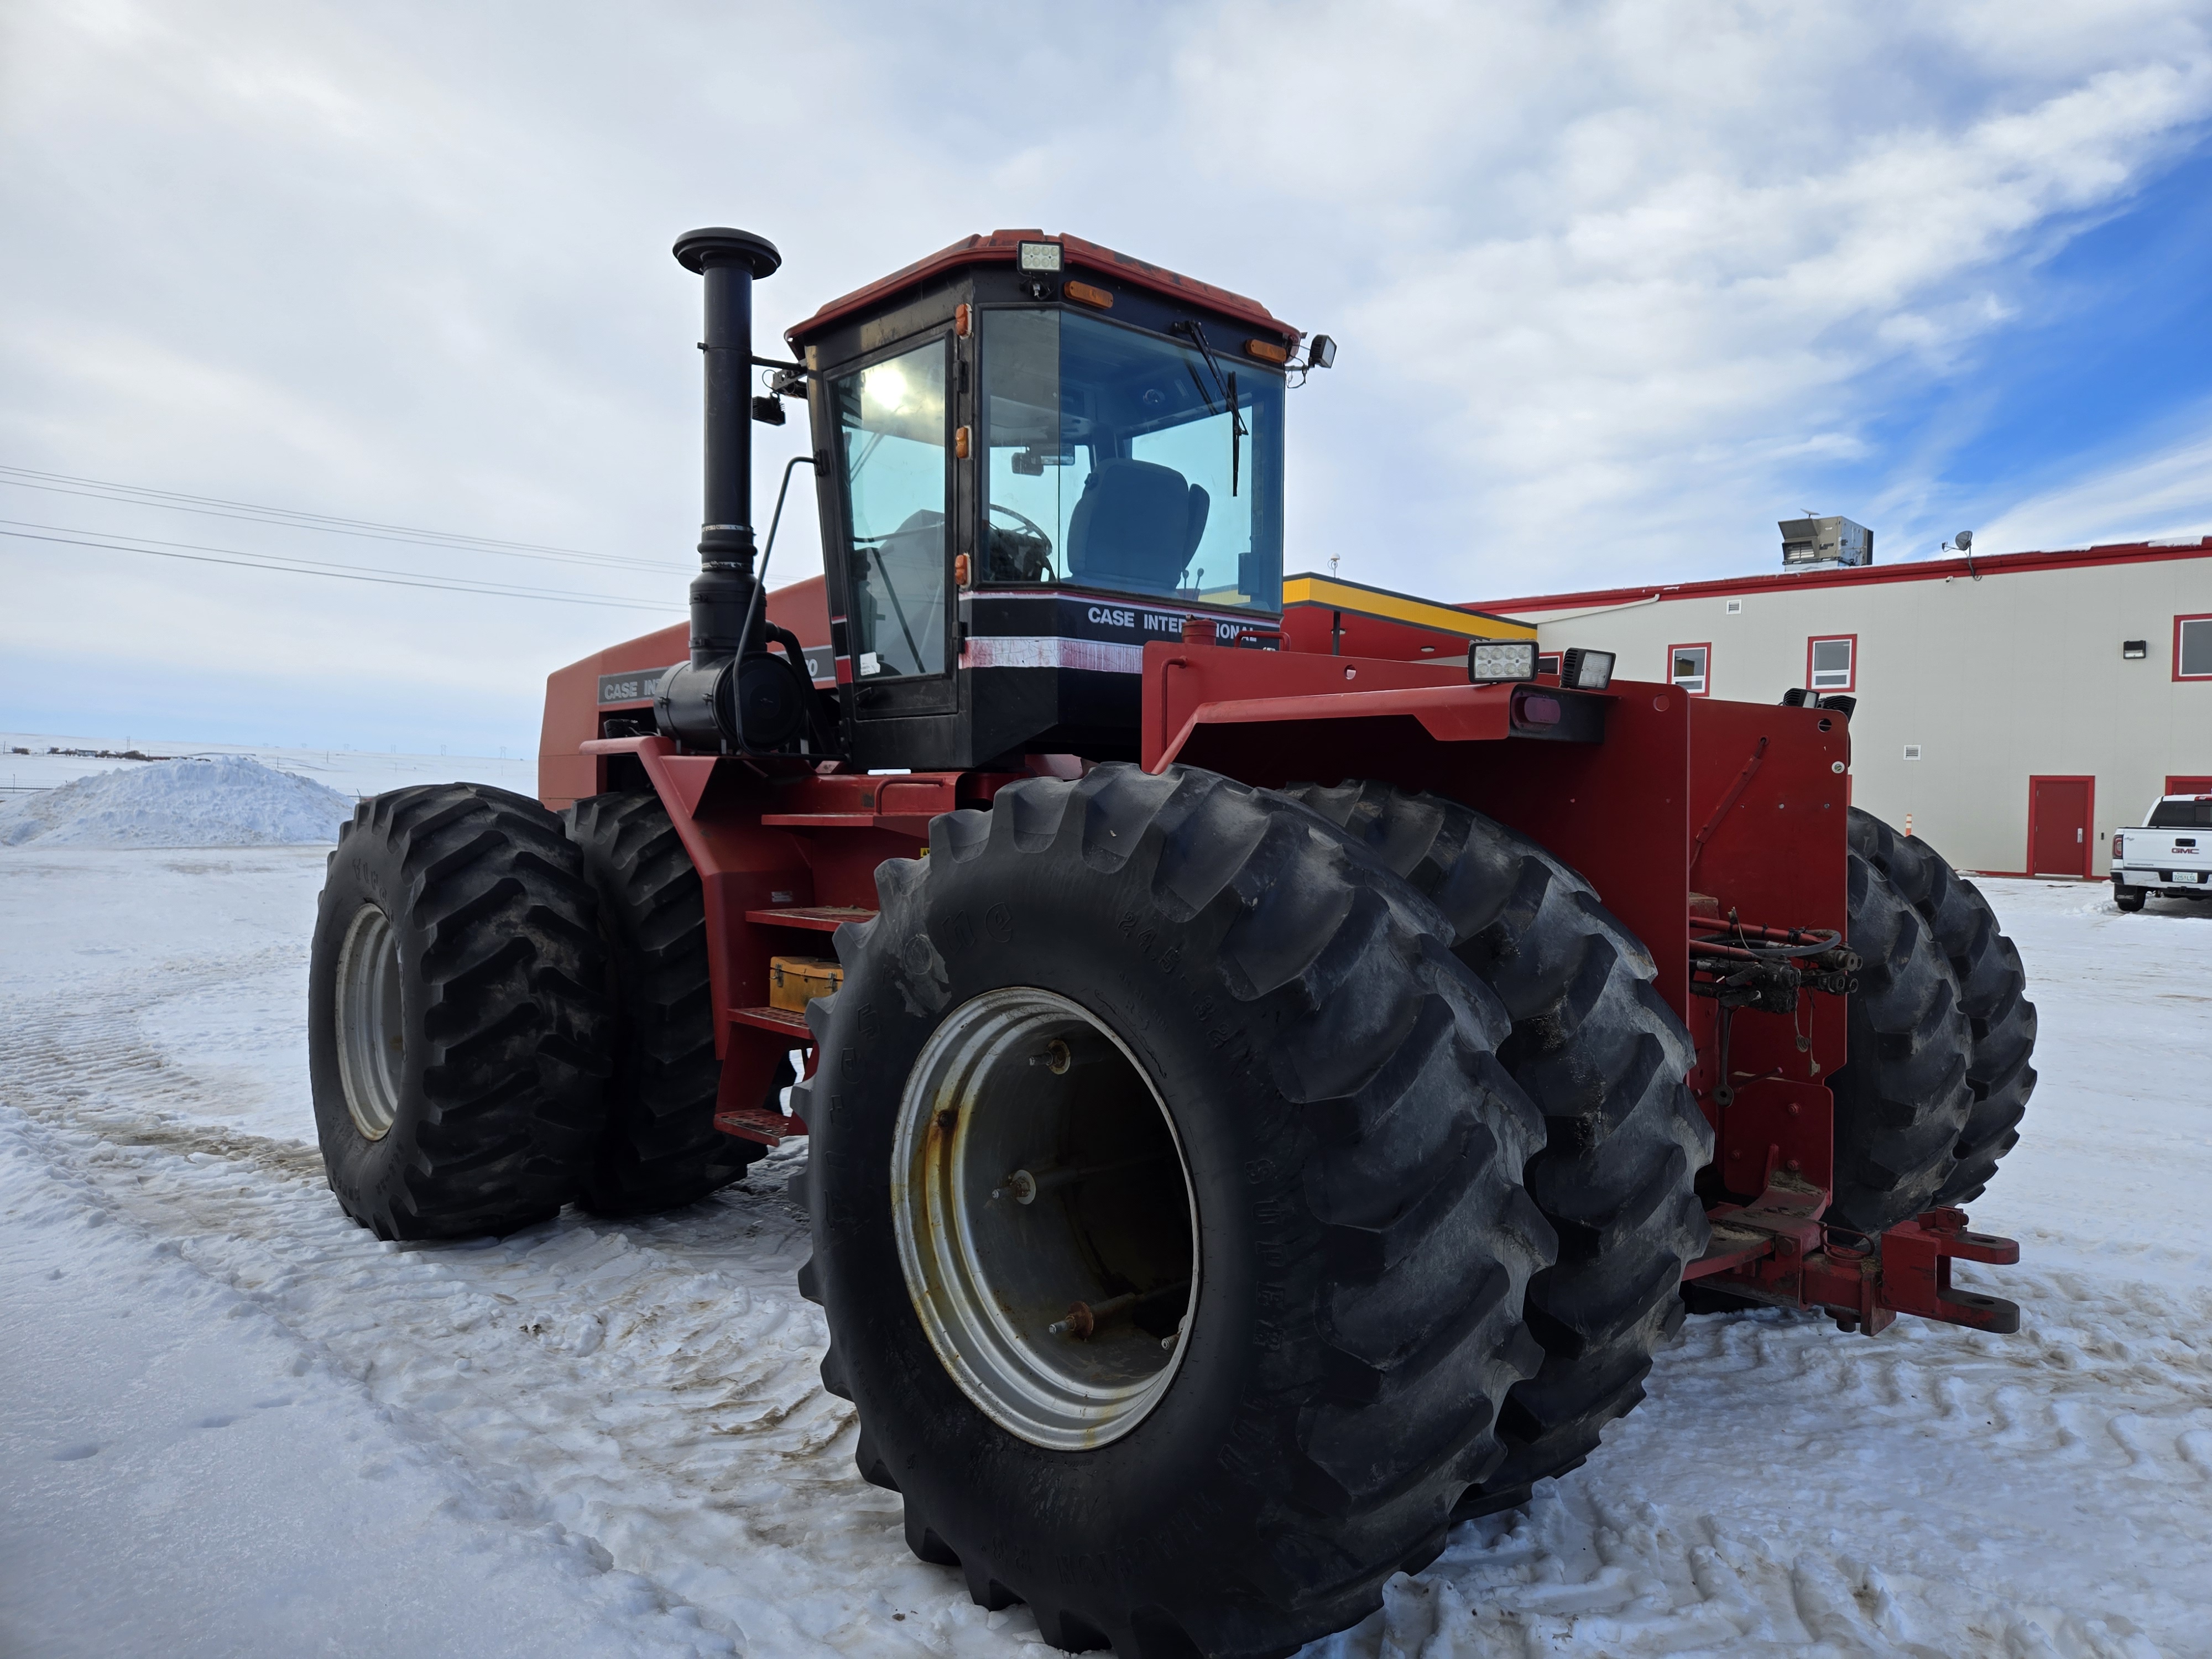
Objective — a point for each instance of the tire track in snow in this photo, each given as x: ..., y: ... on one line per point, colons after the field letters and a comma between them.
x: 619, y: 1380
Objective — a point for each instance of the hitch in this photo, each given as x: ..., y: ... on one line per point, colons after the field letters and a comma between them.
x: 1776, y: 1251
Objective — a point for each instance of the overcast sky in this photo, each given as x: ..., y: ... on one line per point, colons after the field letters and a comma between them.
x: 1617, y: 287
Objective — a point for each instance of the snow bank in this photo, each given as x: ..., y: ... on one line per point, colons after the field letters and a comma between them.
x: 227, y: 800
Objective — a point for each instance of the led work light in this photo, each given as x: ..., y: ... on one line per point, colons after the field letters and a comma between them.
x: 1036, y: 256
x: 1491, y: 662
x: 1586, y: 671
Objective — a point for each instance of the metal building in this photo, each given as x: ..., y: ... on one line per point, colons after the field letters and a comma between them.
x: 2018, y: 708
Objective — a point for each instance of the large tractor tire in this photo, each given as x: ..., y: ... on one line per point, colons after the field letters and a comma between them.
x: 659, y: 1147
x: 1606, y: 1061
x: 1902, y: 1096
x: 456, y: 1017
x: 1992, y: 989
x: 1166, y: 1060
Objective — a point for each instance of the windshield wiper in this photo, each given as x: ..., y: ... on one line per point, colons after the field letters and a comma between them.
x: 1227, y: 386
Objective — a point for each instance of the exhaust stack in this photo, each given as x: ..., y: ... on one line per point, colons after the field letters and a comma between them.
x: 697, y: 702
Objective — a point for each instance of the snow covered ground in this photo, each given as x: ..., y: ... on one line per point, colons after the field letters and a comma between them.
x: 232, y: 1423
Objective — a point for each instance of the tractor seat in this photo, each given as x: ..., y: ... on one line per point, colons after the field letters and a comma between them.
x: 1135, y: 528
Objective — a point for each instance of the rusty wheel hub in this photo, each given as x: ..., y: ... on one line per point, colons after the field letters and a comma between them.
x: 1045, y: 1219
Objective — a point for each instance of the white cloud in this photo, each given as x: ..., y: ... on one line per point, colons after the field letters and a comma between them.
x: 2166, y: 494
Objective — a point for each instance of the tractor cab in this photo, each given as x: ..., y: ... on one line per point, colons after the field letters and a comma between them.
x: 1035, y: 455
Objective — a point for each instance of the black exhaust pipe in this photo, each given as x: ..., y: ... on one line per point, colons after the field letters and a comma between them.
x: 697, y: 702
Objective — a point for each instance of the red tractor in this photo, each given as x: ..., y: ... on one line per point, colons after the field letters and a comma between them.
x: 1266, y: 1103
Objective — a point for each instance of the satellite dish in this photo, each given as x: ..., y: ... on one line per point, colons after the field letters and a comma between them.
x: 1964, y: 540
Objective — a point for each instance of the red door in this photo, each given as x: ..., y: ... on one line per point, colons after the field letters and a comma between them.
x: 2189, y: 786
x: 2059, y: 811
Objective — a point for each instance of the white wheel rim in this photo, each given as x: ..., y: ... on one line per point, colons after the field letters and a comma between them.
x: 371, y: 1038
x: 1111, y: 1213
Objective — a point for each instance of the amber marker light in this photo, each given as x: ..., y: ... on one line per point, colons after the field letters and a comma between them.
x: 1266, y: 352
x: 1088, y: 294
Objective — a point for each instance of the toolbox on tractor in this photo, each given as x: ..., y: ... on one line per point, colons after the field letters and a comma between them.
x: 1275, y: 1065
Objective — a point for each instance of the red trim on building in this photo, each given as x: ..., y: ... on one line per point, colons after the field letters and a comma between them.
x: 1925, y: 570
x: 2088, y: 819
x: 1851, y: 675
x: 2188, y: 785
x: 2203, y: 617
x: 998, y: 247
x: 1705, y: 646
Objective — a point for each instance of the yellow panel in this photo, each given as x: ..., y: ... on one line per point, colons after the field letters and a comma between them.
x: 1401, y: 608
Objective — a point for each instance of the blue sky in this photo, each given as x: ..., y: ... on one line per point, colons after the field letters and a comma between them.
x: 2109, y: 363
x: 1618, y: 285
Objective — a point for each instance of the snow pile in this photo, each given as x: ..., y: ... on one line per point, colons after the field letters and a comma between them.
x: 228, y: 800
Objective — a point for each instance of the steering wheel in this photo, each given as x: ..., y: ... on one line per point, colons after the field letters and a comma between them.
x: 1044, y: 539
x: 1025, y: 521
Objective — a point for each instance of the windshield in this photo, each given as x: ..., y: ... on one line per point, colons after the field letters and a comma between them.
x: 1115, y: 461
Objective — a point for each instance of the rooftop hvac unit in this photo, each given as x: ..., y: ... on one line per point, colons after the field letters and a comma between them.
x: 1832, y: 541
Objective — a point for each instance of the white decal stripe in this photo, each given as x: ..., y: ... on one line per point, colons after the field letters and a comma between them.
x: 993, y: 651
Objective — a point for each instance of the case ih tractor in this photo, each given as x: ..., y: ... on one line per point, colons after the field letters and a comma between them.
x: 1266, y: 1100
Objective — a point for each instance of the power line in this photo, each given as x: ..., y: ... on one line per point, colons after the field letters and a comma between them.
x: 291, y: 565
x: 62, y: 483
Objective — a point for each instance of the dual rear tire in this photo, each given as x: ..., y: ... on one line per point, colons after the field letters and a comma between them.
x: 457, y: 1016
x: 1942, y: 1035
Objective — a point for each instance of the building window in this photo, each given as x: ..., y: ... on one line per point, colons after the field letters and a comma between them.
x: 1912, y: 751
x: 1735, y: 607
x: 1689, y: 666
x: 2193, y: 647
x: 1832, y: 664
x: 1547, y: 662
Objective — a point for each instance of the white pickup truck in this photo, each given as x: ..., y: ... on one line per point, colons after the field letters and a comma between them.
x: 2172, y: 854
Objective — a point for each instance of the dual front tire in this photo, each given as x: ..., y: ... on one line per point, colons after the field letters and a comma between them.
x: 1275, y: 1128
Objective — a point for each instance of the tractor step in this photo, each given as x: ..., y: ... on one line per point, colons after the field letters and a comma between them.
x: 758, y: 1123
x: 824, y: 918
x: 784, y: 1022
